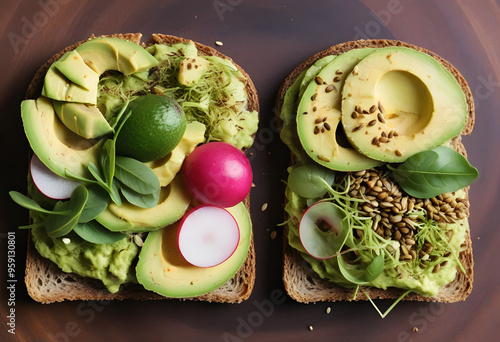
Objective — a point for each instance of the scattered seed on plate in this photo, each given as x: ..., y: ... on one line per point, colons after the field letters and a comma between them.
x: 273, y: 235
x: 328, y: 310
x: 311, y: 328
x: 264, y: 207
x: 218, y: 43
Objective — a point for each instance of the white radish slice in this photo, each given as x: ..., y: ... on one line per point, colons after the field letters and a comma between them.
x: 208, y: 235
x: 321, y: 230
x: 49, y: 183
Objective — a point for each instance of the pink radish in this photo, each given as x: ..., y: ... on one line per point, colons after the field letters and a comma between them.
x: 208, y: 235
x: 322, y: 230
x: 218, y: 173
x: 49, y: 183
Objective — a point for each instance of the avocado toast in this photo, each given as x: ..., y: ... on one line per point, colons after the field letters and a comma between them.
x: 219, y: 103
x: 359, y: 118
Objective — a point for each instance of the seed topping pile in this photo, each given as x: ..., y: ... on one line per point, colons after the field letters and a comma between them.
x: 395, y: 214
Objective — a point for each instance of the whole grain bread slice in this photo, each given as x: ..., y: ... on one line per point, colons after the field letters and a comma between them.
x: 301, y: 282
x: 47, y: 283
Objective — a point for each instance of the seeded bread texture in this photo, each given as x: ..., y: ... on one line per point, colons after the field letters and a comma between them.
x: 46, y: 283
x: 306, y: 286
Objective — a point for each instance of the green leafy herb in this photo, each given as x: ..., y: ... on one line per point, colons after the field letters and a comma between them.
x: 97, y: 202
x: 360, y: 273
x: 71, y: 175
x: 119, y: 116
x: 94, y: 232
x: 96, y: 173
x: 310, y: 181
x: 122, y: 122
x: 431, y: 173
x: 136, y: 175
x: 28, y: 203
x: 60, y: 225
x: 140, y: 200
x: 107, y: 160
x: 115, y: 192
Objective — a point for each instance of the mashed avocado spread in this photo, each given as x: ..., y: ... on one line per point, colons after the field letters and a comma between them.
x: 405, y: 275
x: 218, y: 100
x: 112, y: 263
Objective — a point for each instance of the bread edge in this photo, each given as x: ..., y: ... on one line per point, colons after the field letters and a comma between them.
x: 322, y: 290
x: 85, y: 288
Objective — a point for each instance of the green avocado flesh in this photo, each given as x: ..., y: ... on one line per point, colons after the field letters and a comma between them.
x: 173, y: 203
x: 112, y: 263
x: 404, y: 94
x: 319, y: 112
x: 71, y: 127
x: 410, y: 103
x: 85, y: 120
x: 57, y: 147
x: 162, y: 269
x: 103, y: 54
x: 289, y: 107
x: 73, y: 67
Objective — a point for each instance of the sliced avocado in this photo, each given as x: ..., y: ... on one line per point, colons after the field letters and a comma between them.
x: 398, y: 101
x: 75, y: 76
x: 289, y: 107
x: 162, y: 269
x: 164, y: 51
x: 192, y: 69
x: 167, y: 167
x: 72, y: 65
x: 56, y: 146
x: 312, y: 71
x: 318, y: 117
x: 107, y: 53
x: 85, y: 120
x: 58, y: 87
x: 173, y: 203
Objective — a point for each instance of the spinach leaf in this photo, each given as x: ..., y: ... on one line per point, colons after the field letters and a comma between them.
x: 28, y: 203
x: 431, y: 173
x: 94, y: 232
x: 119, y: 116
x: 107, y: 157
x: 71, y: 175
x: 60, y: 225
x: 136, y: 175
x: 310, y: 180
x: 114, y: 192
x: 359, y: 274
x: 140, y: 200
x: 96, y: 173
x: 97, y: 202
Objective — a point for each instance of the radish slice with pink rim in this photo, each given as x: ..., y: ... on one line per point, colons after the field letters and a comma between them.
x: 208, y: 235
x: 49, y: 183
x: 322, y: 230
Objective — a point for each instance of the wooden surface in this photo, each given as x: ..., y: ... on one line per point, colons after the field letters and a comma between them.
x: 268, y: 39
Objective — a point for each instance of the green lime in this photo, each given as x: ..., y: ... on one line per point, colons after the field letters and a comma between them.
x: 153, y: 130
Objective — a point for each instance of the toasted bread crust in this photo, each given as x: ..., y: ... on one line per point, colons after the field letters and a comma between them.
x: 47, y: 283
x: 306, y: 286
